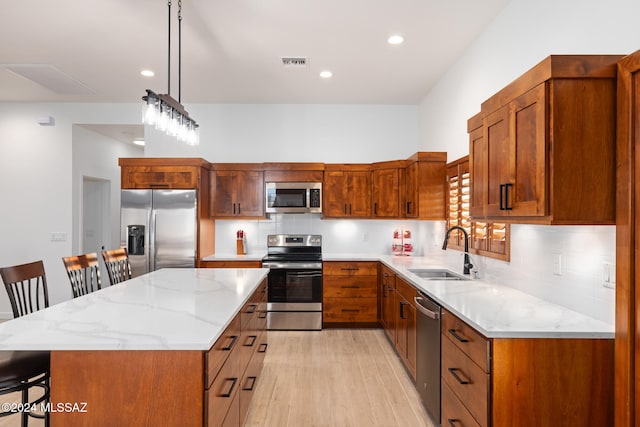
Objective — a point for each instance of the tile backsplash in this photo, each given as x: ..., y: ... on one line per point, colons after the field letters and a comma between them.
x: 581, y: 251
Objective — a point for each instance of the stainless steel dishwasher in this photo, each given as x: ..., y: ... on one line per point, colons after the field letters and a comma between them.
x: 428, y: 354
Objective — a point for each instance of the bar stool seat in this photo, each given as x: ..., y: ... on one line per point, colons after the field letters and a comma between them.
x: 20, y: 366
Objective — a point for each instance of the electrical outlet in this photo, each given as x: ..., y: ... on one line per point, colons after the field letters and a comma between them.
x: 608, y: 275
x: 557, y: 264
x: 59, y: 236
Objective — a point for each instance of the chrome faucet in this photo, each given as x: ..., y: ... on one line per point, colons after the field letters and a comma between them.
x: 467, y: 263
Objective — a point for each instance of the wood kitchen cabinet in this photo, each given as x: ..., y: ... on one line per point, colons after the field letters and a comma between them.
x: 349, y: 294
x: 175, y: 173
x: 385, y: 179
x: 231, y: 264
x: 237, y: 190
x: 346, y: 191
x: 524, y: 382
x: 406, y: 319
x: 424, y: 186
x: 545, y: 149
x: 234, y: 364
x: 387, y: 301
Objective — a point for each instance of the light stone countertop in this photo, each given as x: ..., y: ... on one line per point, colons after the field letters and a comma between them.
x: 234, y: 257
x: 496, y: 311
x: 168, y: 309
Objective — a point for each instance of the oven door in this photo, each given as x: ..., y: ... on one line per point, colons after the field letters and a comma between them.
x: 295, y: 286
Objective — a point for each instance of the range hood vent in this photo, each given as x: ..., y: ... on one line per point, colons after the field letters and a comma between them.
x: 295, y: 61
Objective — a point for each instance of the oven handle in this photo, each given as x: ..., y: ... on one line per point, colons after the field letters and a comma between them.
x: 293, y: 266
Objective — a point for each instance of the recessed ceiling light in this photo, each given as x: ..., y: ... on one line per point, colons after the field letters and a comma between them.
x: 326, y: 74
x: 138, y: 141
x: 147, y: 73
x: 395, y: 39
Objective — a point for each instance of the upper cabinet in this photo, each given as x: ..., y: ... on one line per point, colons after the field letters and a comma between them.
x: 385, y: 190
x: 237, y: 190
x: 542, y: 150
x: 171, y: 173
x: 346, y: 191
x: 424, y: 186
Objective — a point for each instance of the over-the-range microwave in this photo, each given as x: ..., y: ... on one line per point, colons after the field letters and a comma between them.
x: 293, y: 197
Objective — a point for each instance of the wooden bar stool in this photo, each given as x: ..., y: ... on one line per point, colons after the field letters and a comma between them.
x: 118, y: 266
x: 84, y: 273
x: 26, y: 286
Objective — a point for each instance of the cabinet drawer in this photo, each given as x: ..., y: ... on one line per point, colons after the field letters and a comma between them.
x: 467, y: 339
x: 454, y: 414
x: 405, y: 289
x: 349, y: 310
x: 159, y: 177
x: 467, y: 381
x: 231, y: 264
x: 221, y: 350
x: 346, y: 268
x: 223, y: 391
x: 349, y: 287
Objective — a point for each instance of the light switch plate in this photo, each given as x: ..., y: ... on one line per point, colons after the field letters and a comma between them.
x: 557, y: 264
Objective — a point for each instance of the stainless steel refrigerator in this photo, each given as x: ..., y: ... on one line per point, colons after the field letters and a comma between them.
x: 158, y: 228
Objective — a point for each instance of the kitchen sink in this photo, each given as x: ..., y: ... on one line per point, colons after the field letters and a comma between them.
x: 437, y: 274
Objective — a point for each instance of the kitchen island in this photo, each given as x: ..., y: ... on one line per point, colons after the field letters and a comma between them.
x: 140, y: 352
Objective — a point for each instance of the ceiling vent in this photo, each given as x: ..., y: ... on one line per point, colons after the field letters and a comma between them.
x: 295, y: 61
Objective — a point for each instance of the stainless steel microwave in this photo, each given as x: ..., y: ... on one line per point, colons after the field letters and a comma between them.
x: 293, y: 197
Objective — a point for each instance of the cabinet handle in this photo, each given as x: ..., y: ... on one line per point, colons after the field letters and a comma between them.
x: 501, y: 197
x: 253, y: 383
x: 239, y: 209
x: 160, y: 186
x: 231, y: 343
x: 262, y: 348
x: 350, y: 287
x: 350, y: 269
x: 452, y: 371
x: 350, y: 310
x: 253, y: 340
x: 251, y: 308
x: 262, y: 315
x: 452, y: 422
x: 345, y: 208
x: 402, y: 304
x: 507, y: 207
x: 458, y: 337
x: 375, y: 209
x: 350, y: 209
x: 233, y: 385
x: 408, y: 207
x: 234, y: 208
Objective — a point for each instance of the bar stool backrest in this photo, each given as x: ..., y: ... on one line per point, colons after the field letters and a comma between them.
x: 26, y: 285
x: 84, y: 273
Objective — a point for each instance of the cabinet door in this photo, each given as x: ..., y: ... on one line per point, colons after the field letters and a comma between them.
x: 334, y: 190
x: 478, y: 164
x: 386, y: 193
x: 410, y: 207
x: 527, y: 196
x: 388, y: 303
x: 223, y: 185
x: 360, y: 194
x: 250, y: 193
x: 499, y: 162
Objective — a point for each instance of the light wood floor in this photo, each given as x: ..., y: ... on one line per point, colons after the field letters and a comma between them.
x: 334, y: 378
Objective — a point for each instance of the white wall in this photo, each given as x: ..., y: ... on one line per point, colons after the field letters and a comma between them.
x: 524, y: 34
x: 36, y: 184
x: 296, y: 133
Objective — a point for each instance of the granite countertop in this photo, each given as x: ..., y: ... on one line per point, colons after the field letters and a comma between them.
x: 168, y: 309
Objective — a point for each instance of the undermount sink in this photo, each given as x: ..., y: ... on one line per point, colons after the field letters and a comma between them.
x: 437, y: 274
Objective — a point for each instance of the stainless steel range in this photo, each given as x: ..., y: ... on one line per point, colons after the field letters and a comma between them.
x: 295, y: 281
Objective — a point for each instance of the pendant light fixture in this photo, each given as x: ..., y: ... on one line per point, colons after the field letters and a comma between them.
x: 162, y: 110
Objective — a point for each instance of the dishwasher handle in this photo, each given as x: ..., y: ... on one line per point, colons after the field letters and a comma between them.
x: 422, y: 309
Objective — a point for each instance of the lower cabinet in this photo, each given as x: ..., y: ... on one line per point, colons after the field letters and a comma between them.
x: 405, y: 319
x: 524, y: 382
x: 234, y: 364
x: 349, y: 291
